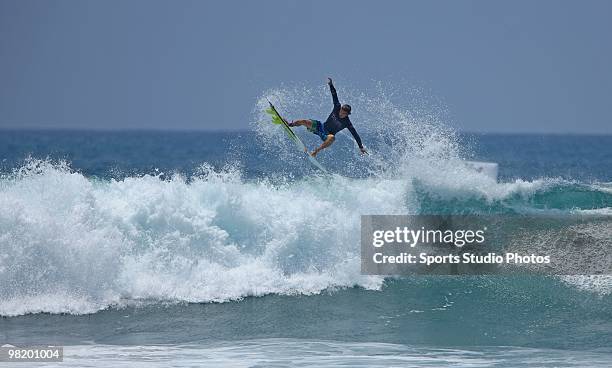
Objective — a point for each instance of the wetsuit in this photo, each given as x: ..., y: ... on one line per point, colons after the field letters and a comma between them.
x: 334, y: 122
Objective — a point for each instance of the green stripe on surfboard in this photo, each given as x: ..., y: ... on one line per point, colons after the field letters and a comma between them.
x: 277, y: 119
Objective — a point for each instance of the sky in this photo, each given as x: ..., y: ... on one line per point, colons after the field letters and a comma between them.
x: 498, y: 66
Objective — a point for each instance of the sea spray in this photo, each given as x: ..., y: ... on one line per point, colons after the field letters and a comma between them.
x: 399, y: 135
x: 72, y: 244
x: 77, y: 244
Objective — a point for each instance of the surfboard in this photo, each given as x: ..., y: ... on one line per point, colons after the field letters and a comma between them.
x: 278, y: 119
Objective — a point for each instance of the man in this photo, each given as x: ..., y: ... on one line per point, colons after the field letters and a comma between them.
x: 337, y: 120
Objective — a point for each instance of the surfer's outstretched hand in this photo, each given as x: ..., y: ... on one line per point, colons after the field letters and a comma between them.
x: 363, y: 151
x: 329, y: 81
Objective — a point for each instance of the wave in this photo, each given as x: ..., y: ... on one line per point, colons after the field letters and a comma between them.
x: 73, y: 244
x: 70, y: 243
x: 77, y: 245
x: 522, y: 197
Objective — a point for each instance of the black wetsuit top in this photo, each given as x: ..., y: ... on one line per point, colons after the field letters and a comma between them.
x: 334, y: 123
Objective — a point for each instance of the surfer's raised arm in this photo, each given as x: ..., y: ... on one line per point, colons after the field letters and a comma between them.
x: 333, y: 93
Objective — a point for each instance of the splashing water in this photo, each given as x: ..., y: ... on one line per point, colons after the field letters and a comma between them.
x: 77, y: 244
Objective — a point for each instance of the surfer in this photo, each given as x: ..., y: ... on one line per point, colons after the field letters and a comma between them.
x: 337, y: 120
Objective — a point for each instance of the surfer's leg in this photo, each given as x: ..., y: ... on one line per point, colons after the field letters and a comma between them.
x: 329, y: 139
x: 304, y: 122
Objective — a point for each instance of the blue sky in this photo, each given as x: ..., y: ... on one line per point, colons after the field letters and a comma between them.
x: 498, y: 66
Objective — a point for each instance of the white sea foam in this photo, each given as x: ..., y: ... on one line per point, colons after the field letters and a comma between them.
x: 322, y: 353
x: 77, y: 245
x: 74, y: 244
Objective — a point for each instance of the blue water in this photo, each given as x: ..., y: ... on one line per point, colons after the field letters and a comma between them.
x: 117, y: 154
x: 195, y: 247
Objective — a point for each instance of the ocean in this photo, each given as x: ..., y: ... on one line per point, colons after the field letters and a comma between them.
x: 160, y: 248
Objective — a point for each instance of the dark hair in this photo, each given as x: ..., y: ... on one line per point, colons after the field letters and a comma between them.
x: 347, y: 108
